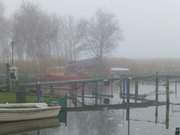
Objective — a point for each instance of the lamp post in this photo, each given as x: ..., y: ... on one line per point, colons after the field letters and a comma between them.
x: 12, y: 51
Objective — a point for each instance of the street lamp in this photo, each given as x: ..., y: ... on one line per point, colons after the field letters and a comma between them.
x: 12, y: 51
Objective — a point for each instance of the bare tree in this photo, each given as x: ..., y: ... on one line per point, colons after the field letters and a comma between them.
x: 4, y: 34
x: 103, y: 34
x: 70, y: 38
x: 1, y: 9
x: 34, y: 32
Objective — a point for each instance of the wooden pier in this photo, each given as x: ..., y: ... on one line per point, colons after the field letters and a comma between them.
x: 96, y: 94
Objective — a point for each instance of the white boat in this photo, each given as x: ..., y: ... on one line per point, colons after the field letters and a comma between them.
x: 27, y: 111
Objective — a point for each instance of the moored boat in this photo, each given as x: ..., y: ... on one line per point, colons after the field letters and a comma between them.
x: 21, y: 127
x: 27, y: 111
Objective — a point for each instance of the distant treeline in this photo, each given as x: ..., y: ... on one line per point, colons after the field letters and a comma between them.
x: 42, y: 40
x: 94, y: 67
x: 37, y: 35
x: 137, y: 67
x: 148, y: 66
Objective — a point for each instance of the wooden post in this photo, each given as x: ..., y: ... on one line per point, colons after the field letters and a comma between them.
x: 83, y: 85
x: 74, y: 94
x: 111, y: 87
x: 120, y: 88
x: 123, y: 89
x: 51, y: 91
x: 167, y: 104
x: 128, y: 108
x: 156, y: 98
x: 136, y: 90
x: 176, y: 88
x: 38, y: 92
x: 127, y: 92
x: 96, y: 93
x: 65, y: 116
x: 38, y: 132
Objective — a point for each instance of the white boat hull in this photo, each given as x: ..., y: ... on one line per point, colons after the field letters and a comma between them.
x: 8, y: 114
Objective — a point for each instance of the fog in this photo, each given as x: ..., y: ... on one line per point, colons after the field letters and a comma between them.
x: 150, y: 28
x: 68, y: 45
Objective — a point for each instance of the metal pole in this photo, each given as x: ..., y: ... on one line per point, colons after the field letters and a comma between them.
x: 156, y: 98
x: 127, y: 94
x: 167, y: 104
x: 128, y: 108
x: 123, y: 89
x: 7, y: 77
x: 136, y: 90
x: 51, y: 91
x: 83, y: 85
x: 12, y: 47
x: 66, y: 98
x: 96, y: 93
x: 38, y: 92
x: 12, y: 63
x: 176, y: 88
x: 75, y: 94
x: 111, y: 87
x: 120, y: 88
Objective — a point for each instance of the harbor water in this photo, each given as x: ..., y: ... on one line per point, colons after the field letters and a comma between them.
x: 113, y: 122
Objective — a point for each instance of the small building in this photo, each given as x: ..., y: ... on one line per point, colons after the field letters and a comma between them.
x: 117, y: 72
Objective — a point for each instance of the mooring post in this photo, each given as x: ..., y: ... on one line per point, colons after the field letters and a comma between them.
x: 65, y: 110
x: 51, y: 90
x: 38, y: 91
x: 156, y: 97
x: 120, y: 88
x: 167, y: 104
x: 83, y: 86
x: 123, y: 89
x: 127, y: 94
x: 136, y: 90
x: 128, y: 107
x: 112, y: 87
x: 96, y: 93
x: 74, y: 94
x: 176, y: 88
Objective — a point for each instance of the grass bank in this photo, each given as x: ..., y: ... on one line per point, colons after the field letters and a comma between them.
x: 10, y: 97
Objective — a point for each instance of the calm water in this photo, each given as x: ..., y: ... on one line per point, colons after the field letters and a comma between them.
x: 112, y: 122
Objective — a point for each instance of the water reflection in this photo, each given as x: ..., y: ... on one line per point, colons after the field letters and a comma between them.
x: 28, y: 127
x: 110, y: 122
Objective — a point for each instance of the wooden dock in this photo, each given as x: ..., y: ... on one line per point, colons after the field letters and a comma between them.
x: 114, y: 106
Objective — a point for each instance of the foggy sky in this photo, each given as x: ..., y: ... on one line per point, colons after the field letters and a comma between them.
x: 151, y: 28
